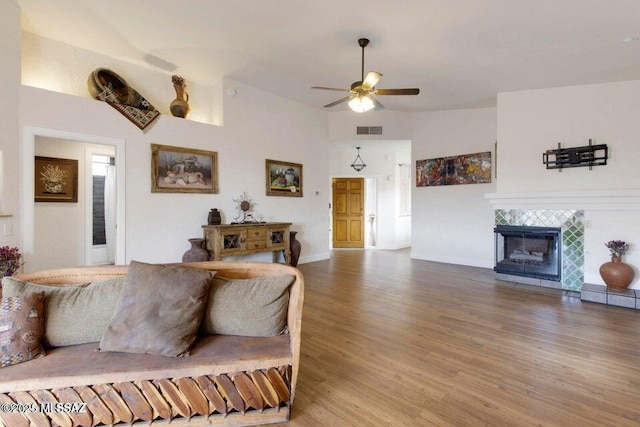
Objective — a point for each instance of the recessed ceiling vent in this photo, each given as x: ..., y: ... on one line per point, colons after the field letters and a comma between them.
x: 369, y: 130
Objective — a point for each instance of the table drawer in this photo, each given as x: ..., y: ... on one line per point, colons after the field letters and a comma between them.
x: 257, y: 235
x: 255, y: 244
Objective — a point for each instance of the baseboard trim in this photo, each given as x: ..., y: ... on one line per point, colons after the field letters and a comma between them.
x: 452, y: 260
x: 314, y: 258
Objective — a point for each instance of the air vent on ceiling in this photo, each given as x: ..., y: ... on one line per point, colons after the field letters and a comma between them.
x: 369, y: 130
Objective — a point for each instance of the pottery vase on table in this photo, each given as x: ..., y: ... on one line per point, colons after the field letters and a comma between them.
x: 214, y: 217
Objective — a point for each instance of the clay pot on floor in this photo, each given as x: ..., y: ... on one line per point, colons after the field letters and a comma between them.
x: 616, y: 274
x: 197, y: 252
x: 295, y: 247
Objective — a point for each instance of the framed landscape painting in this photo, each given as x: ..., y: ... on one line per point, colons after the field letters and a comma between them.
x: 56, y: 180
x: 283, y: 178
x: 183, y: 170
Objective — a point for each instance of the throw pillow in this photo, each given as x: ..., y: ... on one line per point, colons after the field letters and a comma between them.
x: 160, y: 310
x: 21, y: 326
x: 251, y: 307
x: 76, y: 314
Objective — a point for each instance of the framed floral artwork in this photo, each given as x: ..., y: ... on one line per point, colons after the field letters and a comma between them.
x: 183, y: 170
x: 56, y: 180
x: 283, y: 178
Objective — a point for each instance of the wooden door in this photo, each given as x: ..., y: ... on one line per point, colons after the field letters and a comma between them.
x: 348, y: 212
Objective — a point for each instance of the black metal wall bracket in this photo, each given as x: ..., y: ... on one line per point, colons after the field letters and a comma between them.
x: 588, y: 155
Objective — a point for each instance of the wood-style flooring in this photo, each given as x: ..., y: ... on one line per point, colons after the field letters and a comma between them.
x: 390, y: 341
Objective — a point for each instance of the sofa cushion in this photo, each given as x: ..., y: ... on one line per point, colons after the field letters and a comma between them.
x: 21, y: 328
x: 82, y: 365
x: 75, y: 314
x: 159, y: 311
x: 251, y: 307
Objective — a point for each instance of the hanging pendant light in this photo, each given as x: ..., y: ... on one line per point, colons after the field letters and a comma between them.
x: 358, y: 164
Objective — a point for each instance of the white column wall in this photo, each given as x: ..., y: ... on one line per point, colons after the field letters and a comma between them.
x: 453, y: 223
x: 9, y: 119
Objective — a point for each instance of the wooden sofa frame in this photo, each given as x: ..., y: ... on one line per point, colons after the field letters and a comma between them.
x: 257, y: 388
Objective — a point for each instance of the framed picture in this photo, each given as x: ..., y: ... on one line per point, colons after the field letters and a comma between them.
x: 56, y: 180
x: 183, y: 170
x: 283, y: 178
x: 454, y: 170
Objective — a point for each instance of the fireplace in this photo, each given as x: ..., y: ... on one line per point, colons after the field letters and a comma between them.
x: 529, y: 251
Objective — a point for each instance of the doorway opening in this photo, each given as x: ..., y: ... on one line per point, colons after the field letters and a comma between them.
x: 55, y: 235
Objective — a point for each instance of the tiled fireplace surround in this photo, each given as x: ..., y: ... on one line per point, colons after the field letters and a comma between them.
x: 571, y: 224
x: 546, y: 210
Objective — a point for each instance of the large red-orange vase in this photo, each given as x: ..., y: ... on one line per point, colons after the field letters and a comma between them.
x: 616, y: 274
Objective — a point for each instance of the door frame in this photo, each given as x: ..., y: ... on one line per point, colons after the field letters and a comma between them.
x: 29, y: 135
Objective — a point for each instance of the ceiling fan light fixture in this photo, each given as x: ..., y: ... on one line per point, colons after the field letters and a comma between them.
x: 358, y: 164
x: 361, y: 104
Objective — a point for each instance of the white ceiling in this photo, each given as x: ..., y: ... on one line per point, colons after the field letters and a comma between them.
x: 460, y: 53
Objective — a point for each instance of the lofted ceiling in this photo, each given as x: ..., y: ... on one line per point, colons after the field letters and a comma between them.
x: 460, y: 53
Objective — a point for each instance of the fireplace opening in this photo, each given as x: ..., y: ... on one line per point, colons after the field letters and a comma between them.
x: 528, y: 251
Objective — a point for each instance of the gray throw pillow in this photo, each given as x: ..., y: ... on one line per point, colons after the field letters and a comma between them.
x: 75, y: 314
x: 160, y: 310
x: 254, y: 307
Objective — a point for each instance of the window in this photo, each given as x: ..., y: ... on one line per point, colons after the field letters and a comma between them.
x: 99, y: 169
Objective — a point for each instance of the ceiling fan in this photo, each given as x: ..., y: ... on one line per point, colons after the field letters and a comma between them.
x: 361, y: 93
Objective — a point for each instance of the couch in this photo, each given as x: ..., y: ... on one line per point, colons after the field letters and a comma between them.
x: 225, y: 379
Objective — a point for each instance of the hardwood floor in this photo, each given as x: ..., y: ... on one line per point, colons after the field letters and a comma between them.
x: 390, y: 341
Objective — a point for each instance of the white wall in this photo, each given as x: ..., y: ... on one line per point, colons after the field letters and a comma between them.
x: 453, y: 223
x: 395, y: 125
x: 258, y: 125
x: 9, y: 119
x: 158, y: 225
x: 381, y: 158
x: 531, y: 122
x: 263, y: 126
x: 68, y: 69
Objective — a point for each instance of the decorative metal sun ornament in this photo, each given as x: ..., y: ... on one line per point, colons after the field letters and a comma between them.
x: 244, y: 206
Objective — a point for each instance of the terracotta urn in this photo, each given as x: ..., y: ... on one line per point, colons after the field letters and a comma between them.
x: 616, y: 274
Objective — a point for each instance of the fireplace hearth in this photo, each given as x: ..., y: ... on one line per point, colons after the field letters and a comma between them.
x: 529, y: 251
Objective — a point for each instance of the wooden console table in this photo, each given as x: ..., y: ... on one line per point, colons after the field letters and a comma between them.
x: 244, y: 239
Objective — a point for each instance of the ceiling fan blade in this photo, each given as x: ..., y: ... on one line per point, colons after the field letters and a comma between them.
x: 371, y: 80
x: 339, y: 101
x: 329, y: 88
x: 413, y: 91
x: 377, y: 106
